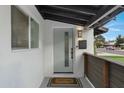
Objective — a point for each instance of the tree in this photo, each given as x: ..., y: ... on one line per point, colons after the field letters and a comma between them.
x: 119, y: 40
x: 99, y: 41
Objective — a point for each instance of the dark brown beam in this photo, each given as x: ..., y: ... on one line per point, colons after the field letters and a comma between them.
x: 76, y: 9
x: 64, y: 14
x: 63, y: 19
x: 100, y: 30
x: 102, y: 13
x: 106, y: 81
x: 108, y: 18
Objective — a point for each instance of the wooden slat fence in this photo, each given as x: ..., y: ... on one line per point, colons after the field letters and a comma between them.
x: 103, y: 73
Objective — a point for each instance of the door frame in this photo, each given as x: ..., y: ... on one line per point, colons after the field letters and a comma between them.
x: 73, y: 45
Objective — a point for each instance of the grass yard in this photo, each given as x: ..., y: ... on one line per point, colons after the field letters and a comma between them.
x: 115, y: 58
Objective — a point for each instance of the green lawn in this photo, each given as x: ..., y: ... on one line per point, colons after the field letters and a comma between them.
x: 115, y: 58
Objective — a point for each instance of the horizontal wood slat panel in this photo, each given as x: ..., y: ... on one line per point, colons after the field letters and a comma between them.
x: 95, y: 69
x: 116, y: 76
x: 103, y: 73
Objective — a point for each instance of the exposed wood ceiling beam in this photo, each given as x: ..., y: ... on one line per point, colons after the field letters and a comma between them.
x: 75, y: 9
x: 100, y: 30
x: 63, y: 19
x: 102, y: 13
x: 64, y: 14
x: 103, y: 22
x: 108, y: 18
x: 89, y: 16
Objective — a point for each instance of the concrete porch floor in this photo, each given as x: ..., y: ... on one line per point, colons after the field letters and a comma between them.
x: 84, y: 81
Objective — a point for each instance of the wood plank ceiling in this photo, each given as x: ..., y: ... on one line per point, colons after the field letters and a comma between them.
x: 83, y: 15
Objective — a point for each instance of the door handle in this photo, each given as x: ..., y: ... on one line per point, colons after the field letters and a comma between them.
x: 71, y: 53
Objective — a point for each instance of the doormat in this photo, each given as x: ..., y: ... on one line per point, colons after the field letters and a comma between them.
x: 64, y: 82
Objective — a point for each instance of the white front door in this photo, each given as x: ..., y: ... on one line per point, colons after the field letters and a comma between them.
x: 63, y: 50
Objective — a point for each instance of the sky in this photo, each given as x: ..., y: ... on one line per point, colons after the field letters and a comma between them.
x: 116, y: 27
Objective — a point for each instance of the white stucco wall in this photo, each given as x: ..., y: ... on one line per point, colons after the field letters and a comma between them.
x: 49, y: 61
x: 20, y: 68
x: 27, y: 68
x: 89, y: 36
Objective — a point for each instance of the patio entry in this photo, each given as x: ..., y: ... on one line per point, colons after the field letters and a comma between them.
x: 63, y: 50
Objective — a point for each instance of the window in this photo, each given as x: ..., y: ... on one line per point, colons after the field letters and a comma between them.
x: 20, y: 29
x: 34, y: 34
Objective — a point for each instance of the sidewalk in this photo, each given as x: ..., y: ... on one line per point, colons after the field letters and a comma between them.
x: 107, y: 54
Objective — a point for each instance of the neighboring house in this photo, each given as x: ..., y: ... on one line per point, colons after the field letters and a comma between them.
x: 45, y: 41
x: 110, y: 45
x: 122, y: 44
